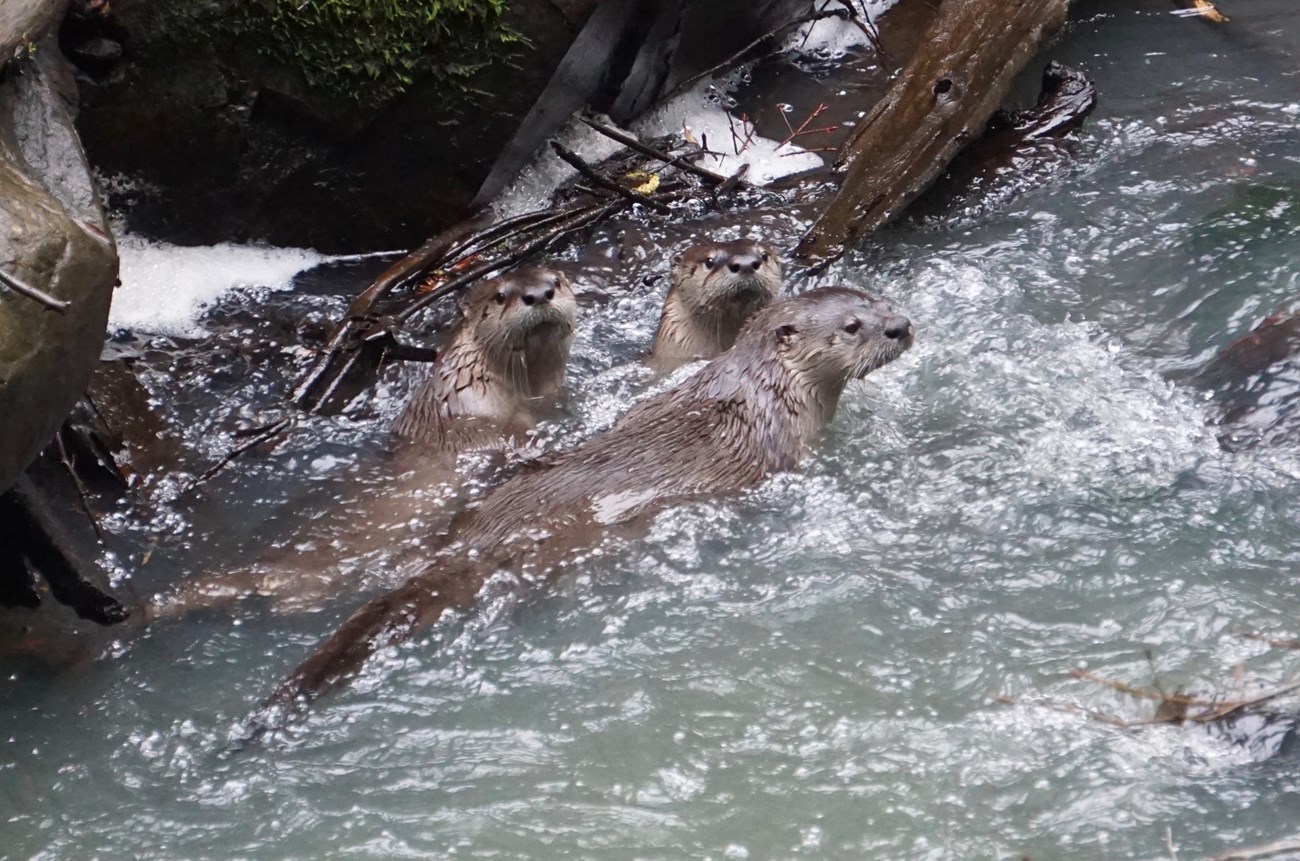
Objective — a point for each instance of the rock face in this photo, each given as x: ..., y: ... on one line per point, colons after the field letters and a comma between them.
x: 231, y: 141
x: 53, y: 237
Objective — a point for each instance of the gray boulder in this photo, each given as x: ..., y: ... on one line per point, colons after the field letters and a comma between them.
x: 54, y: 238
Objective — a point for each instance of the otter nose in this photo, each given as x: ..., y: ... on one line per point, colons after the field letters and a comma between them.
x: 897, y: 328
x: 744, y: 263
x: 538, y: 295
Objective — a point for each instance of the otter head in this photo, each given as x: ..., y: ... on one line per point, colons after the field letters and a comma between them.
x: 837, y: 334
x: 716, y: 286
x: 810, y: 346
x: 521, y: 326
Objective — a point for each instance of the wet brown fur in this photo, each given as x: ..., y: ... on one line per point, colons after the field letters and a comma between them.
x: 716, y: 287
x: 745, y: 415
x: 504, y: 357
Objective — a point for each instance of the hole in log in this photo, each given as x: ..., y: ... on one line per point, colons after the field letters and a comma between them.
x: 943, y: 86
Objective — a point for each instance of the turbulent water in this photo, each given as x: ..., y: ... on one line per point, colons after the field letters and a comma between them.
x: 812, y: 670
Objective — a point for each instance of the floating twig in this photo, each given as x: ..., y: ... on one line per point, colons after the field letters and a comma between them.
x: 258, y: 437
x: 803, y: 129
x: 1275, y: 643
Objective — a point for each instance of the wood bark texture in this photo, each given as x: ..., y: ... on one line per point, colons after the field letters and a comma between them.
x: 946, y: 93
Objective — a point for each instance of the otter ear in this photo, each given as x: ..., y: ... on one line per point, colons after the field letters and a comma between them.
x: 676, y: 260
x: 785, y: 333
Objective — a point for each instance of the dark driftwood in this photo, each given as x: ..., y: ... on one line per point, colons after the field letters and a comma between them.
x: 35, y: 540
x: 941, y: 101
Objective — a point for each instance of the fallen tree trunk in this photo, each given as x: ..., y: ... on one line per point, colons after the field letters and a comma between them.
x: 941, y: 101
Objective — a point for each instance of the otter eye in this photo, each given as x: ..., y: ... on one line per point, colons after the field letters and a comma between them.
x: 710, y: 262
x: 501, y: 297
x: 766, y: 256
x: 852, y: 327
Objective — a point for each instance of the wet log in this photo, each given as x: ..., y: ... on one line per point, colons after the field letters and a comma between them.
x: 941, y: 101
x: 1019, y: 149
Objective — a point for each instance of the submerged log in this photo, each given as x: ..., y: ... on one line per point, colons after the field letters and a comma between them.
x: 941, y: 101
x: 1256, y: 381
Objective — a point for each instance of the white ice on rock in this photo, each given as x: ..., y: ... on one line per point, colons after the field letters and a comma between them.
x: 167, y: 288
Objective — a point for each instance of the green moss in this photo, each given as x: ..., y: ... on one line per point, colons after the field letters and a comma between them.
x: 372, y: 50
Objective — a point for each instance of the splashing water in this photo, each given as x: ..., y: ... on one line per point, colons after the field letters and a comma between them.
x: 809, y: 670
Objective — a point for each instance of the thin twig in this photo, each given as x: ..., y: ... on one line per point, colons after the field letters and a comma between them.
x: 1275, y: 643
x: 574, y: 160
x: 1224, y: 709
x: 257, y: 439
x: 650, y: 152
x: 1259, y: 851
x: 82, y: 493
x: 1169, y: 844
x: 22, y: 288
x: 1214, y: 710
x: 867, y: 26
x: 526, y: 250
x: 803, y: 129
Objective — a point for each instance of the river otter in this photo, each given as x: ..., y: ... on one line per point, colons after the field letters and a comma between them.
x: 716, y: 287
x: 506, y: 356
x: 747, y: 414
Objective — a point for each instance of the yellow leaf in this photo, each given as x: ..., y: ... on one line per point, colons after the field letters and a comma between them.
x: 1207, y: 10
x: 647, y: 182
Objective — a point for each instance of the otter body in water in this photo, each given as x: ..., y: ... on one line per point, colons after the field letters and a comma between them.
x: 716, y: 287
x: 747, y: 414
x: 506, y: 357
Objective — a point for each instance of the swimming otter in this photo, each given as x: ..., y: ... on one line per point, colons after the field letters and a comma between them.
x: 506, y: 355
x: 747, y: 414
x: 716, y: 287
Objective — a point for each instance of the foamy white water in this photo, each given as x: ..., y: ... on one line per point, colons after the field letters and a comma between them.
x: 700, y: 115
x: 166, y: 289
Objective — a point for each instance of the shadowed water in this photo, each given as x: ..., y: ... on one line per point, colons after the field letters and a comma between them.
x: 807, y: 671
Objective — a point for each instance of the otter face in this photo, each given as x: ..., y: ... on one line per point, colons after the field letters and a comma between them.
x: 715, y: 274
x: 835, y: 334
x: 522, y: 311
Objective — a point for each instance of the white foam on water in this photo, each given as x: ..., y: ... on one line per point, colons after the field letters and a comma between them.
x: 832, y: 38
x: 167, y: 288
x: 532, y: 189
x: 700, y: 115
